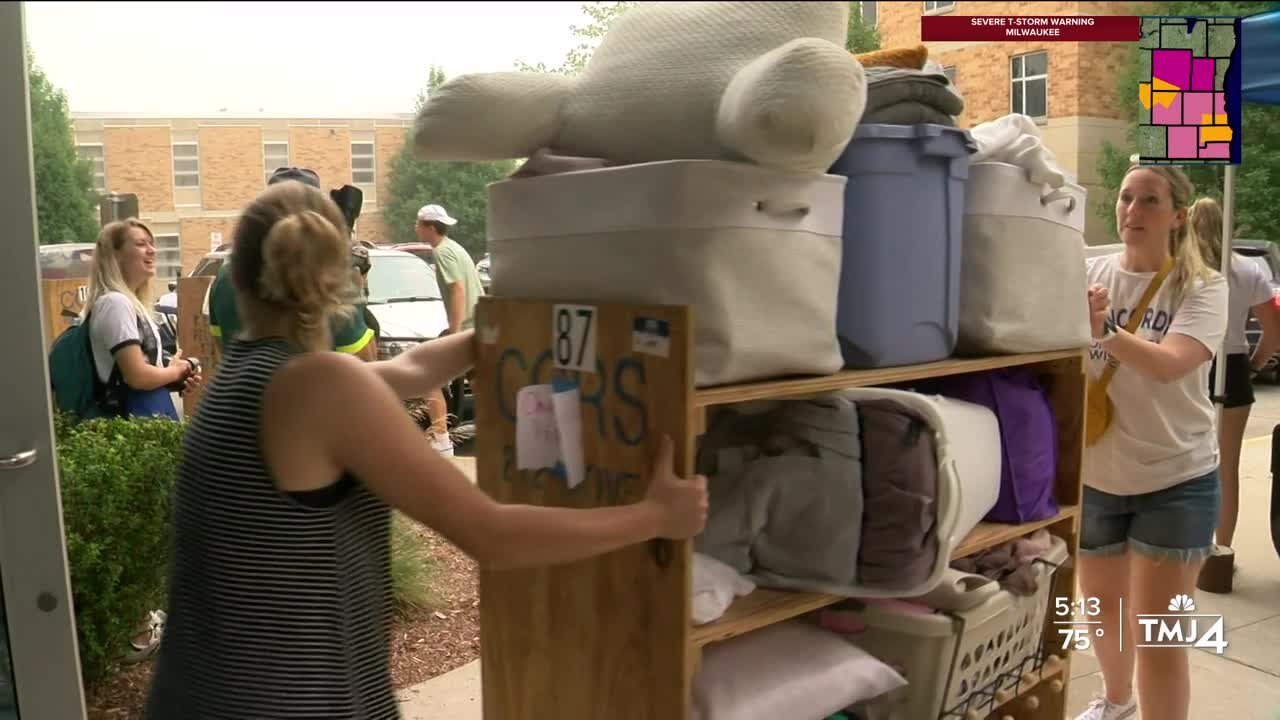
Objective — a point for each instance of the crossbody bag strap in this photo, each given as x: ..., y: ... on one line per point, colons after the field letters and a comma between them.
x: 1134, y: 320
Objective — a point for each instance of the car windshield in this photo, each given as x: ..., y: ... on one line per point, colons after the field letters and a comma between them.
x: 395, y: 278
x: 65, y: 262
x: 207, y: 266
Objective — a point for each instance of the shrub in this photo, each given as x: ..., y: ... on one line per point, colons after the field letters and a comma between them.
x: 411, y: 566
x: 116, y: 476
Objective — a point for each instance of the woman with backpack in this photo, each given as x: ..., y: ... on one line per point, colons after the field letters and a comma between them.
x: 127, y: 352
x: 128, y: 355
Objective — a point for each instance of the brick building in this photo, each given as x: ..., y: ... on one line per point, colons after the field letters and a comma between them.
x: 193, y: 175
x: 1068, y: 87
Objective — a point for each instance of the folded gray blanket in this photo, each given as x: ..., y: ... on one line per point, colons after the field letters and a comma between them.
x: 923, y: 89
x: 908, y: 113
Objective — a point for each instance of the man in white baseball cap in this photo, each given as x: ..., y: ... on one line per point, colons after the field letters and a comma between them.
x: 461, y: 289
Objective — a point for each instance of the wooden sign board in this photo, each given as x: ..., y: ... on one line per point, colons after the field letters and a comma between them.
x: 63, y: 300
x: 194, y: 338
x: 613, y: 627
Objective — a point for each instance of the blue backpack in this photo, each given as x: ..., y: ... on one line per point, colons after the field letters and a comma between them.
x: 73, y: 375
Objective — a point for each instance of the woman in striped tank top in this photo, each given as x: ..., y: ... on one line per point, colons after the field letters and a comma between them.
x: 280, y: 588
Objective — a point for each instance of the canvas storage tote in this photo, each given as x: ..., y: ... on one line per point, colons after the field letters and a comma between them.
x: 1022, y: 275
x: 755, y: 252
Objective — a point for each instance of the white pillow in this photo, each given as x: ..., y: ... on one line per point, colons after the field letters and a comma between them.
x: 791, y: 670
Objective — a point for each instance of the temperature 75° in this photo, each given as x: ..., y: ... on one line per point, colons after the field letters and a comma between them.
x: 1079, y: 636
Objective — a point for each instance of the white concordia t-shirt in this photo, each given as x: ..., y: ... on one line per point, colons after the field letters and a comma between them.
x: 1161, y: 434
x: 1250, y: 285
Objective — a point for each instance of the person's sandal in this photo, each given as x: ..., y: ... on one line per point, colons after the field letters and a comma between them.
x: 1218, y: 571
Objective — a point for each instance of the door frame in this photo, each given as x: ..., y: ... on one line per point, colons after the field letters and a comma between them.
x: 33, y: 561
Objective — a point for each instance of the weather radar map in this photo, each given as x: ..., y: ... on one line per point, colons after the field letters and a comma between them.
x: 1189, y: 90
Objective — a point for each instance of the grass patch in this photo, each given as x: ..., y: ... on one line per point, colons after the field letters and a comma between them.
x: 412, y: 567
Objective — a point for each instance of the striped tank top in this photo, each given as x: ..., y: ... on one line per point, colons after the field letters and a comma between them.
x: 280, y: 605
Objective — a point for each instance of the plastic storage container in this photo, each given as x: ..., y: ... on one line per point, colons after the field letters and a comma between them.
x: 900, y: 274
x: 958, y: 663
x: 755, y: 252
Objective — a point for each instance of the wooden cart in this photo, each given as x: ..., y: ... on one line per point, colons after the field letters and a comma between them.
x: 611, y: 637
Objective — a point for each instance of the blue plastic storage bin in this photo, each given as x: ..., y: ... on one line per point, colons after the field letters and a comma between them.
x: 903, y: 216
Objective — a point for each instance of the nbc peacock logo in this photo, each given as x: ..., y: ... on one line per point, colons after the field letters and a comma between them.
x: 1181, y: 626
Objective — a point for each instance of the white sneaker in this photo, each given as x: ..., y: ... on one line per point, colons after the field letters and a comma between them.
x: 441, y: 444
x: 1102, y: 709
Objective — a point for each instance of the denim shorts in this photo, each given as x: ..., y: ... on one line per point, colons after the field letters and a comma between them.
x: 1176, y: 523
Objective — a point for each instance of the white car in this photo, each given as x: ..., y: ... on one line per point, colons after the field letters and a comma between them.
x: 403, y: 297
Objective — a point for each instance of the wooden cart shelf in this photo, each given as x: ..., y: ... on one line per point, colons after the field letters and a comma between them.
x: 763, y: 607
x: 613, y: 636
x: 802, y: 386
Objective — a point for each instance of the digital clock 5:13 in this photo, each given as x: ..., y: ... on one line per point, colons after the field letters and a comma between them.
x: 1089, y: 606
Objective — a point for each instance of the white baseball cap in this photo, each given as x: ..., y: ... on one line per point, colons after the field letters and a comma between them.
x: 435, y: 213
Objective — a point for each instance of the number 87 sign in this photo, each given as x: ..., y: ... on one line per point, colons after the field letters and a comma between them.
x: 573, y: 337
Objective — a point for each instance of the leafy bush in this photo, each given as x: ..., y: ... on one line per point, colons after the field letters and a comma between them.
x: 411, y: 566
x: 116, y: 476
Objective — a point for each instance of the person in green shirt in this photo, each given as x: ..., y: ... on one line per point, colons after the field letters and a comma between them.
x: 455, y: 270
x: 460, y: 288
x: 349, y: 336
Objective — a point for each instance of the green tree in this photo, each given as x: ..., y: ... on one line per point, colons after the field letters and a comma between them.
x: 65, y: 199
x: 863, y: 36
x: 459, y: 186
x: 600, y: 16
x: 1256, y: 212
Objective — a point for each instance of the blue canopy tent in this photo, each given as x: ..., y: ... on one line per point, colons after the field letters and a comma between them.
x: 1259, y: 79
x: 1259, y: 84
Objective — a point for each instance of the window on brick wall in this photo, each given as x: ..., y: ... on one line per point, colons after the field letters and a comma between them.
x: 936, y: 6
x: 93, y: 153
x: 1029, y: 90
x: 868, y: 12
x: 186, y: 165
x: 168, y: 257
x: 275, y: 155
x: 362, y: 172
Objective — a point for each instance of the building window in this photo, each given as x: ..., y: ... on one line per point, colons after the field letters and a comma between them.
x: 168, y: 257
x: 275, y: 155
x: 186, y: 165
x: 950, y: 72
x: 93, y: 153
x: 1029, y: 93
x: 362, y: 163
x: 933, y: 7
x: 867, y: 11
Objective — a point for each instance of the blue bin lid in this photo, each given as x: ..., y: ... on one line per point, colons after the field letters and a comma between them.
x: 924, y: 131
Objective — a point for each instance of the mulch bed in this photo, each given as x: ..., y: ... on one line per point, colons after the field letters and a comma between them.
x: 425, y: 643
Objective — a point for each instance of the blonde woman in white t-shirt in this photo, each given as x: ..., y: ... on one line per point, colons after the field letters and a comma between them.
x: 1250, y: 285
x: 1151, y: 481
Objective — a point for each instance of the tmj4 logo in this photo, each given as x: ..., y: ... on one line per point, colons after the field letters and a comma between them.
x: 1181, y: 627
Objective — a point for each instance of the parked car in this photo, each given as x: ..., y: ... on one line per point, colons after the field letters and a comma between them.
x: 423, y: 251
x: 1267, y: 255
x: 66, y: 260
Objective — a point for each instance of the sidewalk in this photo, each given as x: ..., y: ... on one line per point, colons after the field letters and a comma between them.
x: 1242, y: 684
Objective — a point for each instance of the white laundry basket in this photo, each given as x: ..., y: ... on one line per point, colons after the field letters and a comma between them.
x: 957, y: 662
x: 756, y: 253
x: 1022, y: 273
